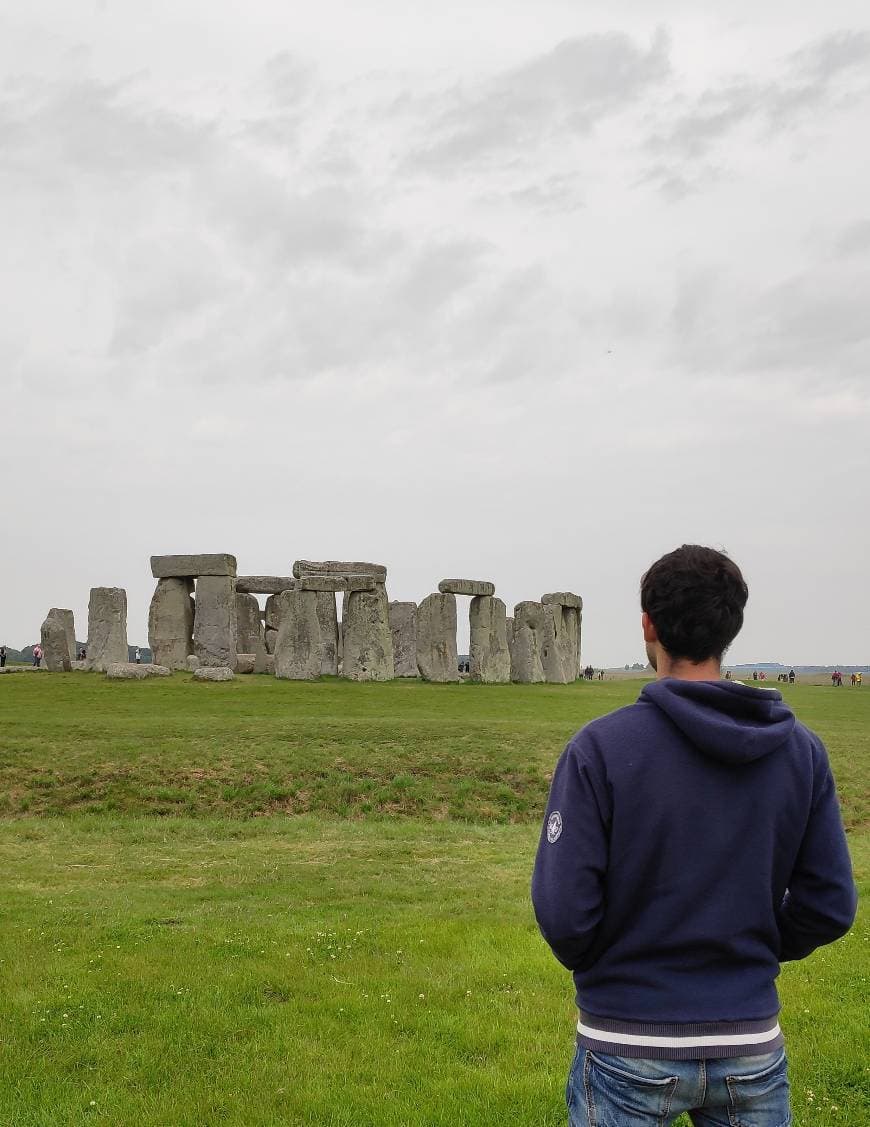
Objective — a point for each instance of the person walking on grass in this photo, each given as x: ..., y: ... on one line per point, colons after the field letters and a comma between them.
x: 37, y: 655
x: 2, y: 657
x: 692, y: 842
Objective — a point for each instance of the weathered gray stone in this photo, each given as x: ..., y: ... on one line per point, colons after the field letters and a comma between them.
x: 191, y: 567
x: 192, y: 662
x: 489, y: 656
x: 564, y: 599
x: 368, y: 642
x: 271, y: 637
x: 170, y: 623
x: 327, y: 617
x: 264, y: 584
x: 363, y: 583
x: 245, y: 663
x: 214, y: 673
x: 297, y: 648
x: 107, y: 627
x: 268, y: 665
x: 131, y: 671
x: 339, y: 567
x: 437, y: 659
x: 560, y: 652
x: 331, y: 583
x: 403, y: 627
x: 526, y: 643
x: 471, y: 587
x: 249, y: 627
x: 55, y: 643
x: 272, y: 614
x: 68, y: 619
x: 214, y: 622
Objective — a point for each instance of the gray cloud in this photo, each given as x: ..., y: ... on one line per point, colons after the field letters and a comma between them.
x: 568, y: 89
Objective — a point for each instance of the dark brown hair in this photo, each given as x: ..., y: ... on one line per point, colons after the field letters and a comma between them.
x: 695, y: 598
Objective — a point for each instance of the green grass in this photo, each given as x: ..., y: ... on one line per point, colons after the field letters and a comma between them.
x: 217, y: 968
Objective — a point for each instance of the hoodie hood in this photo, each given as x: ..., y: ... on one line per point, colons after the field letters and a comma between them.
x: 730, y: 722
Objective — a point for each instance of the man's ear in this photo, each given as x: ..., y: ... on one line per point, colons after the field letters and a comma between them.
x: 649, y: 631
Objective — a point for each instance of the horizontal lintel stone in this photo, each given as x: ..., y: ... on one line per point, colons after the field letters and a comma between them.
x: 471, y: 587
x: 187, y: 567
x: 264, y: 584
x: 563, y: 599
x: 322, y: 583
x: 339, y: 567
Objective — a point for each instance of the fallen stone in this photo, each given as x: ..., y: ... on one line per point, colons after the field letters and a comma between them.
x: 170, y: 622
x: 214, y: 622
x: 192, y: 662
x: 339, y: 567
x: 526, y: 643
x: 297, y: 647
x: 563, y: 599
x: 367, y: 641
x: 107, y: 627
x: 264, y: 584
x: 214, y: 673
x: 55, y: 643
x: 403, y: 627
x: 437, y: 659
x: 327, y: 617
x: 245, y: 663
x: 130, y: 671
x: 489, y: 656
x: 191, y: 567
x: 466, y: 587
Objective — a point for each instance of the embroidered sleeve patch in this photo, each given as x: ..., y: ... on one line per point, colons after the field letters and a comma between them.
x: 554, y: 827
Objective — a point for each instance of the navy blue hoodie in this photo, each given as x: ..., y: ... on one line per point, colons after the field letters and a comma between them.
x: 692, y: 842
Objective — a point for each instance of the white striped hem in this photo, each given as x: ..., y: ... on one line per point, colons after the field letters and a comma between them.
x: 708, y: 1041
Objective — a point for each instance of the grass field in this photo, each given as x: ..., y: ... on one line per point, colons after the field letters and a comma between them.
x: 168, y: 958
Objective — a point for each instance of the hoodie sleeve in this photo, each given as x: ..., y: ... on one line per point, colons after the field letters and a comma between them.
x: 568, y: 881
x: 821, y: 901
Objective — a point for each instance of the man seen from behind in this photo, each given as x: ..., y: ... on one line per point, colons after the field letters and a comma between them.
x: 692, y: 842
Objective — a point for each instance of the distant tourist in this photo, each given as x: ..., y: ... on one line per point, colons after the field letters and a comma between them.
x: 83, y: 653
x: 791, y: 676
x: 858, y: 678
x: 138, y: 655
x: 754, y: 674
x: 674, y: 929
x: 2, y: 657
x: 37, y: 655
x: 853, y: 678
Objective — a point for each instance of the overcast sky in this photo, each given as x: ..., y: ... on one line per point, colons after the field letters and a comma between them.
x: 502, y: 290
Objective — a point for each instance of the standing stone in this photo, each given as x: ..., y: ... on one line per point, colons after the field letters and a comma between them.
x: 558, y: 669
x: 297, y: 649
x: 272, y: 613
x: 368, y: 641
x: 68, y: 619
x: 214, y: 622
x: 270, y: 637
x: 249, y: 628
x: 489, y: 656
x: 403, y: 627
x: 55, y: 643
x: 170, y: 623
x: 327, y: 617
x: 526, y: 643
x: 107, y: 627
x: 437, y: 658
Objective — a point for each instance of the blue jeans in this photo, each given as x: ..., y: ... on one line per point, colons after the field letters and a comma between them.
x: 608, y: 1091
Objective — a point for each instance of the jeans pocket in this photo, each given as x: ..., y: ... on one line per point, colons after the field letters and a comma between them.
x: 759, y: 1094
x: 622, y: 1093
